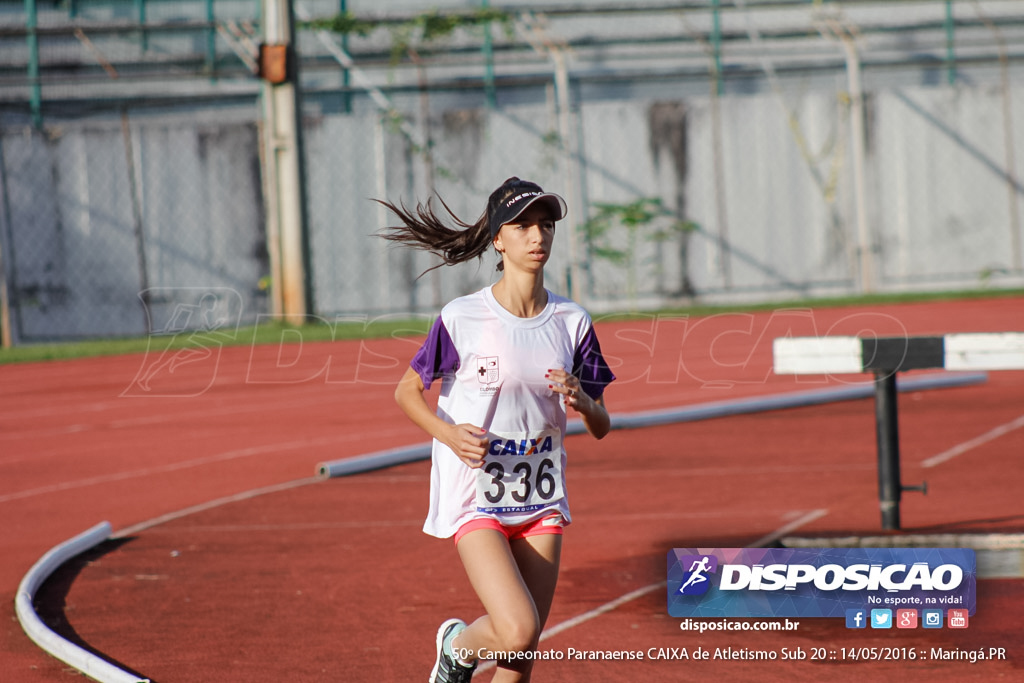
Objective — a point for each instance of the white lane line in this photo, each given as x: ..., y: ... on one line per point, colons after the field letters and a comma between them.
x: 607, y: 607
x: 586, y: 616
x: 163, y: 469
x: 209, y: 413
x: 786, y: 528
x: 640, y: 592
x: 971, y: 444
x: 202, y: 507
x: 351, y: 438
x: 277, y: 528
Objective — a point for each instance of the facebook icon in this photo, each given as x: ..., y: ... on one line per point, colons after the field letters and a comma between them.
x: 856, y: 618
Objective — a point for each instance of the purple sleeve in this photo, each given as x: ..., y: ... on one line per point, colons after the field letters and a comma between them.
x: 590, y: 366
x: 437, y: 356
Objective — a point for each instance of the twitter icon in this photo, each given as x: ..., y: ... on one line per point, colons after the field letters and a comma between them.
x: 881, y: 618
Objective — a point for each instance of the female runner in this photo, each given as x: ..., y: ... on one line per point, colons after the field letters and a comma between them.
x: 511, y: 357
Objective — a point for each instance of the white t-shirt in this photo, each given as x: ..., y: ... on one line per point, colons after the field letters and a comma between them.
x: 492, y: 364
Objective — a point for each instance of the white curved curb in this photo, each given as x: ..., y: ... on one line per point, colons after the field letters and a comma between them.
x: 91, y: 665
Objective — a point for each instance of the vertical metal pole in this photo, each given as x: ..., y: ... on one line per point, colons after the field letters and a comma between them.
x: 6, y: 338
x: 140, y: 11
x: 1011, y: 162
x: 716, y: 45
x: 285, y: 192
x: 858, y: 143
x: 717, y: 154
x: 563, y: 99
x: 490, y: 96
x: 950, y: 48
x: 576, y: 210
x: 1017, y: 259
x: 426, y: 151
x: 380, y: 166
x: 890, y: 490
x: 721, y: 213
x: 346, y: 75
x: 721, y: 208
x: 140, y: 234
x: 211, y: 39
x: 7, y: 335
x: 35, y: 88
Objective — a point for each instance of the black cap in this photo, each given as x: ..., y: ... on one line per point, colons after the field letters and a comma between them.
x: 514, y: 196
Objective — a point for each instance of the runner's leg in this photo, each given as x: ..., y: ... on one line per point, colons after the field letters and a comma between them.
x: 538, y: 560
x: 515, y: 582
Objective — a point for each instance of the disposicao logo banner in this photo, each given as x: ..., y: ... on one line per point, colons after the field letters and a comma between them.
x: 817, y: 582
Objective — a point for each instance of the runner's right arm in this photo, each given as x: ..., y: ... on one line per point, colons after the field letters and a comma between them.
x: 467, y: 441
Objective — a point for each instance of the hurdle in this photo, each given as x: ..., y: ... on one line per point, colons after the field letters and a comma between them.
x: 885, y: 357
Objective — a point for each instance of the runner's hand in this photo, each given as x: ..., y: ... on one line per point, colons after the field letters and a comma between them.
x: 569, y: 386
x: 469, y: 442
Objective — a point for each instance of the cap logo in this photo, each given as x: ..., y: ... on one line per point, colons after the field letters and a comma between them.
x: 521, y: 196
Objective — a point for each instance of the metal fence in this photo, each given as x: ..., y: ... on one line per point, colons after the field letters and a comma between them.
x: 105, y: 220
x: 781, y: 149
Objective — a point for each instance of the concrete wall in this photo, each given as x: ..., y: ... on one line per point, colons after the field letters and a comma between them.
x: 772, y: 201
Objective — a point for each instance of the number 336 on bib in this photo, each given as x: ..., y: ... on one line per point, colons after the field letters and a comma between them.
x: 521, y: 473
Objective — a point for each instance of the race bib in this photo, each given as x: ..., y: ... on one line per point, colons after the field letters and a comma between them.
x: 521, y: 473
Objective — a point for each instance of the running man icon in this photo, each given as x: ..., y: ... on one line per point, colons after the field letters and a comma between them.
x: 699, y: 568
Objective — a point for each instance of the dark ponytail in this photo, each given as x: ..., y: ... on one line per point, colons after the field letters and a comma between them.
x: 422, y: 229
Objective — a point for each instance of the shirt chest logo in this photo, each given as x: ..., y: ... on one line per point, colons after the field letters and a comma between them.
x: 487, y: 370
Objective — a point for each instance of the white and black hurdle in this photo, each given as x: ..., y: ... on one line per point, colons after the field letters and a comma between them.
x: 885, y: 357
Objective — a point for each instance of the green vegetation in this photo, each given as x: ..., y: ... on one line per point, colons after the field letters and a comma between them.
x: 274, y: 333
x: 390, y: 327
x: 421, y: 29
x: 699, y: 310
x: 645, y: 219
x: 430, y: 25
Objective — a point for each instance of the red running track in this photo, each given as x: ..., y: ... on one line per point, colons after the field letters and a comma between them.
x: 334, y: 581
